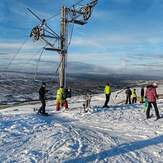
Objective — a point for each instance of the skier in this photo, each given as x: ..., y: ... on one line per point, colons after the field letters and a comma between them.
x: 42, y: 92
x: 151, y: 96
x: 87, y: 102
x: 59, y: 98
x: 128, y: 95
x: 64, y: 98
x: 134, y: 96
x: 107, y: 92
x: 142, y: 95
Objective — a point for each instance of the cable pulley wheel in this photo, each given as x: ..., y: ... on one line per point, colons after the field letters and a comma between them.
x: 36, y: 33
x: 86, y: 10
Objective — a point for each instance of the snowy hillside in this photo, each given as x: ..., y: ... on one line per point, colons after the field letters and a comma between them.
x: 117, y: 134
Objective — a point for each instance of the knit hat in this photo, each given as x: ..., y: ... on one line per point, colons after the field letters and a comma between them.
x: 154, y: 84
x: 43, y: 84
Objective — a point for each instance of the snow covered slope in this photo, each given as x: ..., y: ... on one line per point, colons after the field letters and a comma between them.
x: 116, y: 134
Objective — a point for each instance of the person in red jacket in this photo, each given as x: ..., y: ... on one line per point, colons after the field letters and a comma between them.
x: 151, y: 96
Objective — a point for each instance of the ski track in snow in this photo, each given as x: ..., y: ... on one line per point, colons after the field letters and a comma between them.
x: 116, y: 134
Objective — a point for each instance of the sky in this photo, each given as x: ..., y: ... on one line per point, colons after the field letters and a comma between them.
x: 124, y: 36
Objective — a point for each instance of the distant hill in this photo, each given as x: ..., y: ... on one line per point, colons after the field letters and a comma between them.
x: 51, y: 67
x: 79, y: 68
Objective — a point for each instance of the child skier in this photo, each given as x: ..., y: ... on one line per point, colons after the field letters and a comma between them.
x: 87, y: 102
x: 107, y: 92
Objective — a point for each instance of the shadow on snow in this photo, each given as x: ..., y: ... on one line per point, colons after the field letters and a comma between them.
x: 119, y: 150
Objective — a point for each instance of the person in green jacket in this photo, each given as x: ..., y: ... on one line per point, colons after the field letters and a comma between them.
x: 59, y: 98
x: 107, y: 92
x: 134, y: 96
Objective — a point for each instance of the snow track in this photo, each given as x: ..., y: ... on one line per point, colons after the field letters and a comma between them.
x: 116, y: 134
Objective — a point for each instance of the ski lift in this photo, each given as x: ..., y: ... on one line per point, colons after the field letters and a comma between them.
x: 43, y: 32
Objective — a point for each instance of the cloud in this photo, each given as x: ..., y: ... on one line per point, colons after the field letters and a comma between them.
x: 111, y: 42
x: 13, y: 46
x: 86, y: 42
x: 151, y: 65
x: 101, y: 15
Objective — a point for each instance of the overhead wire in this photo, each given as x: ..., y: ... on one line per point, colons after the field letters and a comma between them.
x: 17, y: 53
x: 31, y: 58
x: 55, y: 73
x: 37, y: 63
x: 71, y: 34
x: 58, y: 66
x: 57, y: 14
x: 53, y: 16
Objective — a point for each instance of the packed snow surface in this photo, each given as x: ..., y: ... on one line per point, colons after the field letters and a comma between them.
x: 118, y: 134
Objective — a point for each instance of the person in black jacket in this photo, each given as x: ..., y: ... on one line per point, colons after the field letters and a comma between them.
x: 142, y: 95
x: 128, y: 95
x: 42, y: 92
